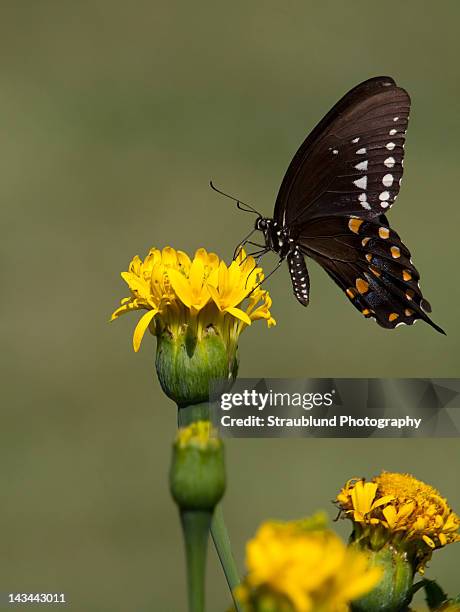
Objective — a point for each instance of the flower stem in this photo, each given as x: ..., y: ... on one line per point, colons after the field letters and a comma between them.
x: 195, y: 525
x: 187, y: 415
x: 192, y: 413
x: 221, y: 541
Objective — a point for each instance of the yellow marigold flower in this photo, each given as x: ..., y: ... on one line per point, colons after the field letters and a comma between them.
x: 176, y: 291
x: 197, y: 309
x: 300, y: 566
x: 409, y: 511
x: 397, y: 521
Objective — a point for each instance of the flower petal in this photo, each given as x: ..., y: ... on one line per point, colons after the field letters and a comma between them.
x: 390, y: 515
x: 428, y: 541
x: 141, y: 327
x: 383, y: 500
x: 128, y: 307
x: 239, y: 314
x: 215, y: 296
x: 134, y: 282
x: 184, y: 260
x: 363, y: 495
x: 181, y: 286
x: 196, y: 275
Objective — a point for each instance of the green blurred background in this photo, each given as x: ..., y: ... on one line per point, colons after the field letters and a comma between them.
x: 113, y: 118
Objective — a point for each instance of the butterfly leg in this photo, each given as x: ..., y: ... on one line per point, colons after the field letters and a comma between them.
x: 266, y: 277
x: 256, y: 244
x: 242, y: 244
x: 260, y: 253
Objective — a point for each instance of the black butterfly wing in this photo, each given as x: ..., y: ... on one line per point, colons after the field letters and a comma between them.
x: 368, y: 260
x: 333, y: 197
x: 352, y: 162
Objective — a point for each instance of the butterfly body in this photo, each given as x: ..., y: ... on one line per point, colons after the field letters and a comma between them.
x: 279, y: 240
x: 332, y: 205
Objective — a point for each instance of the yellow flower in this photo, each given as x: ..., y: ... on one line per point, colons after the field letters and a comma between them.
x: 306, y: 567
x: 177, y: 292
x: 400, y: 508
x: 197, y: 309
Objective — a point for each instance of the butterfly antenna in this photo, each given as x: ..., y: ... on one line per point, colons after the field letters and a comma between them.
x: 241, y: 205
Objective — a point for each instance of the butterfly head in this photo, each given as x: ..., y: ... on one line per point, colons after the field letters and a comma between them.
x: 263, y: 224
x: 276, y: 238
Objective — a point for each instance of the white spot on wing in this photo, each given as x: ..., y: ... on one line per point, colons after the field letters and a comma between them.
x: 361, y: 151
x: 335, y: 151
x: 355, y: 140
x: 389, y: 162
x: 395, y: 118
x: 362, y: 165
x: 363, y: 201
x: 392, y: 132
x: 385, y: 195
x: 361, y: 183
x: 390, y: 146
x: 388, y: 180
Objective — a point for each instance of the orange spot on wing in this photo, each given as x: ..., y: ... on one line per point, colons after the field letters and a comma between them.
x: 384, y: 232
x: 407, y: 276
x: 351, y: 293
x: 355, y: 224
x: 393, y: 316
x: 366, y: 312
x: 395, y: 252
x: 368, y: 257
x: 408, y: 312
x: 361, y: 285
x: 364, y: 241
x: 374, y: 271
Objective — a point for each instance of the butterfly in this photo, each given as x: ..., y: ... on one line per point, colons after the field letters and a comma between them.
x: 332, y: 205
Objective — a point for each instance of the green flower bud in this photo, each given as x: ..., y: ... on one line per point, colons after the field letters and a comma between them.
x: 394, y: 590
x: 197, y: 475
x: 187, y: 361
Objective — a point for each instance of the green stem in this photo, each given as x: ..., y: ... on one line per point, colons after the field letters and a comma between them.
x: 194, y: 412
x: 187, y: 415
x: 221, y: 541
x: 195, y: 525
